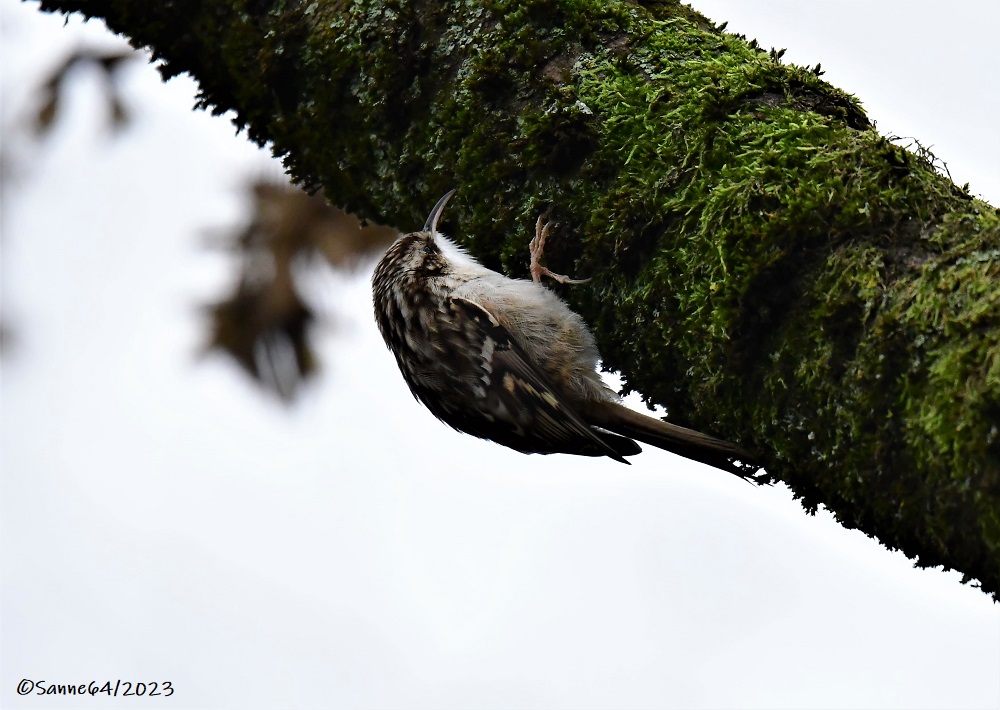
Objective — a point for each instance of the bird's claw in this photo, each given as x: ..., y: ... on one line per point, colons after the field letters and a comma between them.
x: 536, y: 248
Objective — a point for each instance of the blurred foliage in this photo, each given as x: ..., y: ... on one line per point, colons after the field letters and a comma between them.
x: 42, y: 119
x: 53, y: 88
x: 265, y: 322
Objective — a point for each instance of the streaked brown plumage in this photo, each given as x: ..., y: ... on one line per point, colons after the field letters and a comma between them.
x: 507, y: 360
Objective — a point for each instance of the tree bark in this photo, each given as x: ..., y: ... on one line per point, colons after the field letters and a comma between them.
x: 764, y: 263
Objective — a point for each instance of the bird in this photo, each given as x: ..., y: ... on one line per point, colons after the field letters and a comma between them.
x: 507, y: 360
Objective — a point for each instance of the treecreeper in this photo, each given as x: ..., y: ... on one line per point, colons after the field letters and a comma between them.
x: 507, y: 360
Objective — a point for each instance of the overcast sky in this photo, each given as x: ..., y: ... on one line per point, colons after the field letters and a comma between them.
x: 163, y: 520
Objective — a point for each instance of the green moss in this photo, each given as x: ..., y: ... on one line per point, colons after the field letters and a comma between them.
x: 763, y: 263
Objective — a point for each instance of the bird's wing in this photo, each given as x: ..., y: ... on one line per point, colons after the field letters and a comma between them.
x: 528, y: 413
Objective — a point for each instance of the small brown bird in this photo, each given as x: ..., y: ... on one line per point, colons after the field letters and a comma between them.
x: 507, y: 360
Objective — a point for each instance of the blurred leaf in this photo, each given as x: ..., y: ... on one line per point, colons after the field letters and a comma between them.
x: 266, y: 332
x: 265, y: 324
x: 289, y: 219
x: 109, y: 62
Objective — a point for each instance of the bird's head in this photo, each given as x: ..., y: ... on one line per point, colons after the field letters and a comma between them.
x: 420, y: 253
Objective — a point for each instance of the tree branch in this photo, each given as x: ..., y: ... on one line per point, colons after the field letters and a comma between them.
x: 763, y: 262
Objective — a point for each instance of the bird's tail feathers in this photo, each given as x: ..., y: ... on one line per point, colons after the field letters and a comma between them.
x: 676, y: 439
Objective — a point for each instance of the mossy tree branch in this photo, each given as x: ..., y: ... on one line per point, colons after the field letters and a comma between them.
x: 763, y: 262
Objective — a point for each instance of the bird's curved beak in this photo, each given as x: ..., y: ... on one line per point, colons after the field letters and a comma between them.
x: 432, y: 219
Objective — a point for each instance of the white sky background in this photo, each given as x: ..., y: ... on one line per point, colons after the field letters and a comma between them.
x: 162, y: 520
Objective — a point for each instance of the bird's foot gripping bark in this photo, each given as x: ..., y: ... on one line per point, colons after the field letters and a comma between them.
x: 537, y: 248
